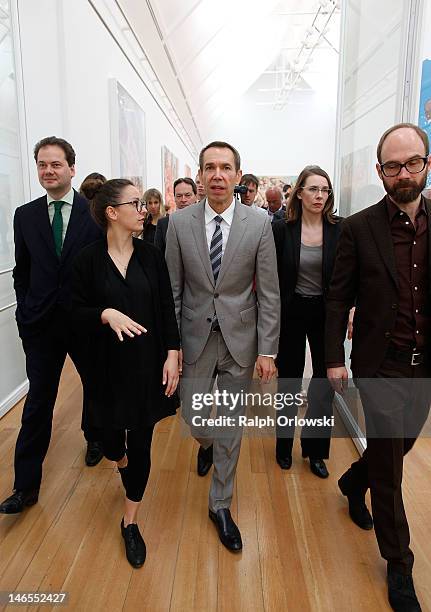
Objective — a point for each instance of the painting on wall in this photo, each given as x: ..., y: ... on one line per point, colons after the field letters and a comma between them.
x: 266, y: 182
x: 357, y: 189
x: 187, y: 171
x: 424, y: 120
x: 127, y: 136
x: 170, y: 174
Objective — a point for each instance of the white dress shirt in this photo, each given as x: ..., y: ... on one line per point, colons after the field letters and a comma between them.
x: 210, y: 224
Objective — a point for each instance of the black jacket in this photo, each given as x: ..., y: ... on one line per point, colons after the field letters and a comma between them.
x: 41, y: 279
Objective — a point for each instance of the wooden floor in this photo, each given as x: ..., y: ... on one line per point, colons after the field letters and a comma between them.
x: 301, y: 552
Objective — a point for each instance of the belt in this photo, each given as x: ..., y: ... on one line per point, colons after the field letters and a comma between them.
x: 412, y: 357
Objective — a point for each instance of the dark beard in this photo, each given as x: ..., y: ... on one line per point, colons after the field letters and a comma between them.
x: 401, y: 195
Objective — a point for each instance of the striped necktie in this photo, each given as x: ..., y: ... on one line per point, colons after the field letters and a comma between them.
x: 57, y: 227
x: 216, y: 248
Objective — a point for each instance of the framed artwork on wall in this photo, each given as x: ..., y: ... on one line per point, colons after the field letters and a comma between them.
x: 170, y: 174
x: 128, y: 146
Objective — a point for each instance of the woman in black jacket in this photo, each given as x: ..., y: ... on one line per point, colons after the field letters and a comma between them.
x: 124, y: 311
x: 305, y: 243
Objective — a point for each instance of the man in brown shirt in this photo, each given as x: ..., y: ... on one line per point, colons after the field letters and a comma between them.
x: 383, y: 267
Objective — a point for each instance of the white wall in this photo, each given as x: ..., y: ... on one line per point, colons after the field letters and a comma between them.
x: 67, y: 59
x: 282, y: 142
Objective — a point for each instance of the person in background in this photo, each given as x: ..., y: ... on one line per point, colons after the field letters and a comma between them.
x: 305, y: 243
x: 48, y: 234
x: 252, y: 183
x: 200, y: 187
x: 185, y: 192
x: 124, y: 312
x: 274, y: 201
x: 287, y: 190
x: 156, y: 210
x: 90, y: 184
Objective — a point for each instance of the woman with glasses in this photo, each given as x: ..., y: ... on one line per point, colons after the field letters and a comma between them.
x: 124, y: 310
x: 305, y: 242
x: 156, y: 210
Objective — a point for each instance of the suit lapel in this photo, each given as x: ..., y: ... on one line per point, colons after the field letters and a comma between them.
x: 76, y: 224
x: 328, y: 248
x: 42, y: 223
x: 237, y: 229
x: 378, y: 222
x: 199, y: 233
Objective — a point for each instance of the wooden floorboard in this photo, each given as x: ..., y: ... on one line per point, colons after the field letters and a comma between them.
x: 301, y: 552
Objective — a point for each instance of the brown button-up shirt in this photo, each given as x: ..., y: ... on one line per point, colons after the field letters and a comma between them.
x: 410, y: 241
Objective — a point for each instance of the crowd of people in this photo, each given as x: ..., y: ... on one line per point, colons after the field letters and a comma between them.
x: 213, y: 292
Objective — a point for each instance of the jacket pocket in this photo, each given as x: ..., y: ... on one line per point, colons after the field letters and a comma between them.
x: 186, y: 312
x: 249, y: 314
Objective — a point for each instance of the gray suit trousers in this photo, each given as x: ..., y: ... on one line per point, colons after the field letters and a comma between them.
x: 216, y: 365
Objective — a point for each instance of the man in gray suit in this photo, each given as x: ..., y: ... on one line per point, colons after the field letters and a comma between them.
x: 222, y: 264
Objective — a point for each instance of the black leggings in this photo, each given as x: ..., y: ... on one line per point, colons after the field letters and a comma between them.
x: 138, y: 445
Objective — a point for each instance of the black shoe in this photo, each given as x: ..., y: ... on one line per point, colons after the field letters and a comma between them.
x: 401, y: 593
x: 135, y: 545
x: 94, y: 453
x: 228, y: 532
x: 318, y: 467
x: 18, y: 501
x: 205, y: 460
x: 358, y: 511
x: 284, y: 462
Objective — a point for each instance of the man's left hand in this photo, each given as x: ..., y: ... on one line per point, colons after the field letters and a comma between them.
x: 265, y: 368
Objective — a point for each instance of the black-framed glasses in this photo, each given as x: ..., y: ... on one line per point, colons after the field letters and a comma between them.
x: 413, y: 166
x: 138, y: 204
x: 325, y: 191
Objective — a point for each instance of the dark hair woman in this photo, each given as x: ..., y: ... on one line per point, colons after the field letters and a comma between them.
x: 91, y: 184
x: 156, y: 210
x: 305, y: 242
x: 124, y: 310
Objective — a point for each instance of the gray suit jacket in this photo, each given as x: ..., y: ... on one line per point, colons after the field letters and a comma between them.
x: 246, y: 296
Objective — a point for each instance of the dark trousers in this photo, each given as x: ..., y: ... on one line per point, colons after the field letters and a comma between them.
x: 396, y: 406
x: 45, y: 347
x: 137, y: 444
x: 306, y: 319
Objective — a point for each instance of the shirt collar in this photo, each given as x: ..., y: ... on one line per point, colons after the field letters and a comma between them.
x: 226, y: 215
x: 68, y: 198
x: 394, y: 210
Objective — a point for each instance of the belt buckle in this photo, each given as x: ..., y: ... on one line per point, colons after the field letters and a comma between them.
x: 413, y: 362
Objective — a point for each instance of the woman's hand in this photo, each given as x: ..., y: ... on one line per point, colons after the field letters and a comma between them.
x: 170, y: 373
x: 121, y: 323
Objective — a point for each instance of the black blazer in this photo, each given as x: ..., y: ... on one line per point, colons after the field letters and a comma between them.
x: 41, y: 279
x: 161, y: 231
x: 365, y: 275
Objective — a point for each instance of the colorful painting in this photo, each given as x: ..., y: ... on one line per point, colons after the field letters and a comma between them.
x: 170, y: 174
x: 127, y: 137
x: 265, y: 182
x: 424, y: 120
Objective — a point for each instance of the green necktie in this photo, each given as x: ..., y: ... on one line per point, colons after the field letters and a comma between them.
x: 57, y: 227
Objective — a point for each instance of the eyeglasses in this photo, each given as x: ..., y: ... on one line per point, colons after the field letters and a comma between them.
x: 138, y: 204
x: 414, y: 166
x: 315, y: 190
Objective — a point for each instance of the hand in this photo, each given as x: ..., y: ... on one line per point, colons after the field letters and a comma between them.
x: 170, y: 373
x: 180, y: 362
x: 338, y: 378
x: 121, y: 323
x: 265, y: 368
x: 350, y: 323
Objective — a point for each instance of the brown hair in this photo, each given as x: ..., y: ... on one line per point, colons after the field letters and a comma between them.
x: 246, y: 179
x: 154, y: 193
x: 219, y: 144
x: 294, y: 204
x: 69, y: 153
x: 91, y: 184
x: 188, y: 181
x: 422, y: 135
x: 108, y: 193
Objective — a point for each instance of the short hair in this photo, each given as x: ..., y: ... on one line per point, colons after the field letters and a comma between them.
x: 69, y: 153
x: 105, y: 195
x: 294, y: 204
x: 421, y: 133
x: 286, y: 186
x: 188, y: 181
x: 246, y: 179
x: 219, y: 144
x: 91, y: 184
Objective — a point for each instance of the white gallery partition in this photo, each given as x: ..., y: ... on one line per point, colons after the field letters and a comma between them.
x: 378, y: 66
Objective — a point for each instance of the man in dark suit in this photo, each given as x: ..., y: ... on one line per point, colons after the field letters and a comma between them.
x: 383, y: 267
x: 276, y: 210
x: 48, y: 232
x: 185, y: 193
